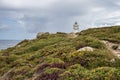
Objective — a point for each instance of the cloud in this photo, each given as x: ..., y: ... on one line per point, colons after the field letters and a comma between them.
x: 3, y: 27
x: 32, y: 16
x: 26, y: 4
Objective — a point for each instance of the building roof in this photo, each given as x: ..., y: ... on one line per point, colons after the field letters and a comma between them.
x: 75, y: 22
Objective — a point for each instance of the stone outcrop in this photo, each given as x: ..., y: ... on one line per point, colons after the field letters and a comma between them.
x: 118, y: 48
x: 109, y: 46
x: 41, y: 33
x: 7, y: 75
x: 87, y: 48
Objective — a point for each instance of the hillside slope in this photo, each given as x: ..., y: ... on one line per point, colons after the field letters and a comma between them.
x: 57, y: 57
x: 111, y: 34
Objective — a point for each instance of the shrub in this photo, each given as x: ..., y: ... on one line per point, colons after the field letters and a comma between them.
x: 50, y: 73
x: 19, y: 77
x: 58, y: 65
x: 51, y: 60
x: 41, y: 67
x: 74, y: 72
x: 104, y: 73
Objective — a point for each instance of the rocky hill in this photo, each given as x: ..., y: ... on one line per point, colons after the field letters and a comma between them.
x: 63, y: 57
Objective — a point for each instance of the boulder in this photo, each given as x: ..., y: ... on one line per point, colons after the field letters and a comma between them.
x: 112, y: 60
x: 118, y: 48
x: 39, y: 34
x: 42, y: 33
x: 87, y: 48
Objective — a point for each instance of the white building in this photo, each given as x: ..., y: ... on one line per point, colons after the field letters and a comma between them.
x: 76, y: 27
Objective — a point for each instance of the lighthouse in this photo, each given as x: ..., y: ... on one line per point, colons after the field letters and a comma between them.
x: 76, y: 27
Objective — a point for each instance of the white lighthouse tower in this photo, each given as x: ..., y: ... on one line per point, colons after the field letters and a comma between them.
x: 76, y: 27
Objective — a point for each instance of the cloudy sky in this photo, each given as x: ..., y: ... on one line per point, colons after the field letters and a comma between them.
x: 20, y: 19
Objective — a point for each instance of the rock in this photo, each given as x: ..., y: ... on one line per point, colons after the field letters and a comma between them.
x: 39, y: 34
x: 112, y: 60
x: 8, y: 75
x: 18, y: 45
x: 87, y: 48
x: 118, y: 55
x: 118, y: 48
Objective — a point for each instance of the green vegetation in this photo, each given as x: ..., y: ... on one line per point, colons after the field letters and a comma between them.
x: 56, y: 57
x: 108, y: 33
